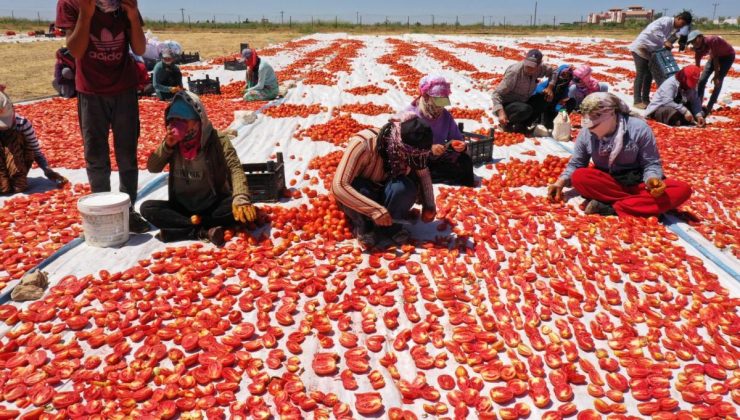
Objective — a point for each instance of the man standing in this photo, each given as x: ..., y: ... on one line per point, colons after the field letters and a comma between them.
x: 721, y: 57
x: 99, y: 34
x: 659, y: 34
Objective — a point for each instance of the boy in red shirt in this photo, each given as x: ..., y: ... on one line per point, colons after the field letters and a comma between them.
x: 99, y: 34
x: 721, y: 57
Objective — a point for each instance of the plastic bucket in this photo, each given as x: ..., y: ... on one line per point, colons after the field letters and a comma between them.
x: 105, y: 218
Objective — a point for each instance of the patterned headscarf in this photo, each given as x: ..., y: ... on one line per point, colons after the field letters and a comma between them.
x: 401, y: 153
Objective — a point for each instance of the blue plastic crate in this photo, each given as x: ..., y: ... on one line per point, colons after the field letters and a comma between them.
x: 663, y: 65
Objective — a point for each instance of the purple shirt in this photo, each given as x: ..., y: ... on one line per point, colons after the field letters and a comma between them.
x: 444, y: 128
x: 715, y: 45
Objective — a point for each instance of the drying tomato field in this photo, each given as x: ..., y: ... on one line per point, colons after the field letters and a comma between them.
x: 507, y: 306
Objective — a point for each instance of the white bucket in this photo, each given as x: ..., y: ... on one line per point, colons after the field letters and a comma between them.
x: 105, y: 218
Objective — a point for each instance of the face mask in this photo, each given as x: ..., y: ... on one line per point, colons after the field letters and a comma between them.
x: 603, y: 124
x: 108, y: 6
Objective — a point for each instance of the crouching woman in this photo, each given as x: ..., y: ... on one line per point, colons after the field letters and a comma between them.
x: 379, y: 176
x: 627, y: 177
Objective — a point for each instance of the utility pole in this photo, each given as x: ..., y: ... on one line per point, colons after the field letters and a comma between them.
x: 535, y: 13
x: 183, y: 14
x: 432, y: 21
x: 281, y: 17
x: 665, y: 11
x: 357, y: 18
x: 553, y: 22
x: 38, y: 16
x: 714, y: 12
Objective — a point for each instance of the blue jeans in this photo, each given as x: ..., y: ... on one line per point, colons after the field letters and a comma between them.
x: 397, y: 196
x: 725, y: 63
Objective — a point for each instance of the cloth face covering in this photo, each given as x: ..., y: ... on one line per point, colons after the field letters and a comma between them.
x: 108, y: 6
x: 189, y: 139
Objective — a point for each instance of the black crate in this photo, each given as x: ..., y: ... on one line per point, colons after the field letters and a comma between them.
x: 50, y: 35
x: 663, y: 65
x: 39, y: 33
x: 479, y: 147
x: 187, y: 58
x: 266, y: 180
x: 235, y: 65
x: 205, y: 86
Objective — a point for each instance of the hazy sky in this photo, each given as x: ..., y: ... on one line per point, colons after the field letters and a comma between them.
x: 377, y: 10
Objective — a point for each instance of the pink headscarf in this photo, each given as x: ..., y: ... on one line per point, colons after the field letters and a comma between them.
x: 586, y: 84
x: 435, y: 86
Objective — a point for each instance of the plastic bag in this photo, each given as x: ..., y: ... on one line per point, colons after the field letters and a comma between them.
x: 561, y: 127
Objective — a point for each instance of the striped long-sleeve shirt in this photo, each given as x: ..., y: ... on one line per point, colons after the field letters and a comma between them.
x: 25, y: 127
x: 361, y: 160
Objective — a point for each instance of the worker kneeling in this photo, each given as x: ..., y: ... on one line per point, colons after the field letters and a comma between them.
x: 677, y: 102
x: 207, y: 185
x: 628, y: 177
x: 379, y: 176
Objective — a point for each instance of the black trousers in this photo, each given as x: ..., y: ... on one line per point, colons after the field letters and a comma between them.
x: 522, y: 114
x: 174, y: 220
x: 98, y: 116
x: 551, y: 111
x: 458, y: 172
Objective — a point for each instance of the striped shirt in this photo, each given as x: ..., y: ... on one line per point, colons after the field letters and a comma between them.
x: 24, y: 127
x: 361, y: 160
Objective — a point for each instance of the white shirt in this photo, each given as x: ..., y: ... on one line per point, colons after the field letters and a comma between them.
x: 653, y: 37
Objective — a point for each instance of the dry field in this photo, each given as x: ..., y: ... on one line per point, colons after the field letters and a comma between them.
x: 28, y: 68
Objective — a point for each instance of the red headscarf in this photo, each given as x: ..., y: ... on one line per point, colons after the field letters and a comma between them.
x: 688, y: 77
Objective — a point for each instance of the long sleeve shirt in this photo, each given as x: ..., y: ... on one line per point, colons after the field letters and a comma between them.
x: 667, y: 94
x: 715, y: 46
x: 25, y: 127
x: 164, y: 79
x: 266, y: 78
x: 444, y: 127
x: 517, y: 86
x: 639, y: 151
x: 361, y: 160
x: 653, y: 37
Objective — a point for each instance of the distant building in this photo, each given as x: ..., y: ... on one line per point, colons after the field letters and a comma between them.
x: 617, y: 15
x: 727, y: 21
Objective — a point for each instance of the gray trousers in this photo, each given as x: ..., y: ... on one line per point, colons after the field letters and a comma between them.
x: 98, y: 115
x: 643, y: 80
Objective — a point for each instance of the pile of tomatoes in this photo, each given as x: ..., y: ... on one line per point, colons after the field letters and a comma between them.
x: 337, y: 130
x: 32, y: 227
x: 468, y: 114
x: 293, y: 110
x: 366, y: 90
x: 365, y: 109
x: 516, y: 173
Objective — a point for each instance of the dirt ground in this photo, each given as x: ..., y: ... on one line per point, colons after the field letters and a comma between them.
x: 28, y: 68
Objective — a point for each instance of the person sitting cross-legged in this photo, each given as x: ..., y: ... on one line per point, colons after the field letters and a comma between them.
x: 207, y: 186
x: 627, y: 178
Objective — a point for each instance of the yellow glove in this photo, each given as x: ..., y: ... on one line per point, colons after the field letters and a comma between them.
x: 243, y: 209
x: 655, y: 186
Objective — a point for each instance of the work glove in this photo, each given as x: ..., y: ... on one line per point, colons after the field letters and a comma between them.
x: 55, y: 177
x: 243, y: 209
x: 655, y: 186
x: 555, y: 193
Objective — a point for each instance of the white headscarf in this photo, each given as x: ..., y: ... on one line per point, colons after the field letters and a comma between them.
x: 597, y: 108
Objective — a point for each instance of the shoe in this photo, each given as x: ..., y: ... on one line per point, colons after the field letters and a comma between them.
x: 214, y: 235
x: 136, y: 223
x: 541, y: 131
x: 597, y: 207
x: 366, y: 240
x: 640, y: 105
x: 705, y: 111
x: 401, y: 237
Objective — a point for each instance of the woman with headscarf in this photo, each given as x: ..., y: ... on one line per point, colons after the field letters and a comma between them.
x: 627, y: 178
x: 208, y: 189
x: 559, y: 99
x: 377, y: 180
x: 166, y: 76
x: 449, y: 163
x: 677, y: 102
x: 262, y: 83
x: 584, y: 84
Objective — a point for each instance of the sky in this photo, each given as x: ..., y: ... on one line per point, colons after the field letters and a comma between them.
x: 467, y: 11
